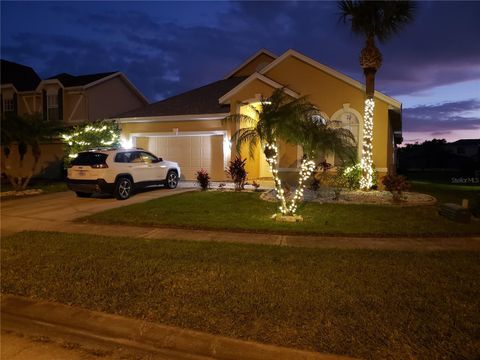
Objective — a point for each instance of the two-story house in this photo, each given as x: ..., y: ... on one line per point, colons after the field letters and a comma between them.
x: 69, y: 98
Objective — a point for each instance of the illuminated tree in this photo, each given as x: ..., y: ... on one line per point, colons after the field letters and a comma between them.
x: 296, y: 121
x: 374, y: 20
x: 103, y: 133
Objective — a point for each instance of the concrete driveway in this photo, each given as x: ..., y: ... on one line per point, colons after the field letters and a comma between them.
x: 33, y: 213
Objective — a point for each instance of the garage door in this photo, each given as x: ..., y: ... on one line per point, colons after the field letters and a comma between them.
x: 191, y: 152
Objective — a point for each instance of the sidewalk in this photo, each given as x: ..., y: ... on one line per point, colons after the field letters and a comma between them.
x: 311, y: 241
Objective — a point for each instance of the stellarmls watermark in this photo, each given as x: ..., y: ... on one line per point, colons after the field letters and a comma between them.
x: 465, y: 180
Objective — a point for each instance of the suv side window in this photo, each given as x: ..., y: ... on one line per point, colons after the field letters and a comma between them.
x: 135, y: 157
x: 147, y: 157
x: 123, y: 157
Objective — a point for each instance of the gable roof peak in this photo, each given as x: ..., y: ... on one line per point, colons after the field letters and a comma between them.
x: 250, y: 59
x: 335, y: 73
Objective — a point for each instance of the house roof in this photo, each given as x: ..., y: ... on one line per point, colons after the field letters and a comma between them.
x: 256, y: 76
x: 202, y: 100
x: 68, y: 80
x: 24, y: 78
x: 292, y: 53
x: 250, y: 59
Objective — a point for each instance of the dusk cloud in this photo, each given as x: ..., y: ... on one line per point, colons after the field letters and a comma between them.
x: 167, y: 48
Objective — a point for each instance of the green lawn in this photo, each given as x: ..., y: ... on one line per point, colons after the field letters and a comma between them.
x: 447, y: 193
x: 246, y: 212
x: 363, y: 303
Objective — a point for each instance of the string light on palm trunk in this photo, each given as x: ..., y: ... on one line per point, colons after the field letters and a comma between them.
x: 306, y: 170
x: 272, y: 160
x: 366, y: 181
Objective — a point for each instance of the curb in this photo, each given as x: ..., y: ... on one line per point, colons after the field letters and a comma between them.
x: 147, y: 335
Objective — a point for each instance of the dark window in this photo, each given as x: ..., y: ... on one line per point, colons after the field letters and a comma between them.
x: 89, y: 158
x: 123, y: 157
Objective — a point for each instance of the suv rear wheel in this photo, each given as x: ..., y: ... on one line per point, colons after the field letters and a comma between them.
x: 172, y: 180
x: 123, y: 188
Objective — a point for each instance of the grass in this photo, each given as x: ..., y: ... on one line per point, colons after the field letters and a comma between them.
x: 246, y: 212
x: 448, y: 193
x: 363, y: 303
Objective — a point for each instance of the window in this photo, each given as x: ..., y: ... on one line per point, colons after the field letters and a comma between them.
x: 52, y: 107
x: 148, y: 158
x: 350, y: 122
x: 123, y: 157
x: 89, y: 158
x: 8, y: 105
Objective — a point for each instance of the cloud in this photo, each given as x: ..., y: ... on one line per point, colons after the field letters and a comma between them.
x: 164, y: 55
x: 443, y: 118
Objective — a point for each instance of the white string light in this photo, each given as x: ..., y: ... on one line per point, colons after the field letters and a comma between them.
x: 366, y: 180
x: 306, y: 169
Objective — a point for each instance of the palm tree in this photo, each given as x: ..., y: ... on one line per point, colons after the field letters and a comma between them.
x: 263, y: 129
x: 296, y: 121
x: 374, y: 20
x: 25, y: 131
x: 317, y: 136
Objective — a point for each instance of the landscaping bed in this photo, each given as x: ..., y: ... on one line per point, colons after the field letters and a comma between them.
x: 328, y: 196
x: 216, y: 210
x: 368, y: 304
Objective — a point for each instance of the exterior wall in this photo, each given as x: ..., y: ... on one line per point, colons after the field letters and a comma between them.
x: 48, y: 167
x: 111, y: 98
x: 329, y: 94
x: 74, y: 107
x: 255, y: 65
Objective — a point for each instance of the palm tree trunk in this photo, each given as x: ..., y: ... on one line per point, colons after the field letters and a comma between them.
x: 272, y: 159
x: 306, y: 169
x: 369, y: 81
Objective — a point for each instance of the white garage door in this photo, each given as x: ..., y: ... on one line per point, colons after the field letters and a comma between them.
x: 191, y: 152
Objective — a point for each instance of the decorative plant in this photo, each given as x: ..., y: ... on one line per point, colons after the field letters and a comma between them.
x: 255, y: 185
x: 236, y: 170
x: 102, y: 133
x: 396, y: 184
x: 373, y: 20
x: 203, y: 179
x: 352, y: 175
x: 221, y: 186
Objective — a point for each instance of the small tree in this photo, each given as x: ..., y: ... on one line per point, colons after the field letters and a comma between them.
x: 24, y: 132
x: 102, y: 133
x: 236, y: 170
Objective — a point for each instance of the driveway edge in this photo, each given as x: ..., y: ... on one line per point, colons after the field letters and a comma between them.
x: 147, y: 335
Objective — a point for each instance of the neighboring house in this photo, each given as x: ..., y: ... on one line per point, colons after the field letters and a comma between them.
x: 465, y: 147
x: 71, y: 99
x: 187, y: 128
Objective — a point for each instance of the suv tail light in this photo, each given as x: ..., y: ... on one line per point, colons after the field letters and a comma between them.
x: 100, y: 166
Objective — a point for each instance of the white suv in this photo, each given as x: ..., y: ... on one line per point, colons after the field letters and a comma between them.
x: 119, y: 171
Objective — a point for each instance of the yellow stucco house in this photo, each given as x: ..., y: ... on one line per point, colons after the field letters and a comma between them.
x: 187, y: 128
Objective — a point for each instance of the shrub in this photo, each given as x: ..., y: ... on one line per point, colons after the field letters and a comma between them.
x: 256, y: 185
x: 396, y: 184
x: 352, y: 174
x: 236, y: 170
x: 203, y: 179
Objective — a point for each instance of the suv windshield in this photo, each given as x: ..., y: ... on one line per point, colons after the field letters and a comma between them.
x: 89, y: 158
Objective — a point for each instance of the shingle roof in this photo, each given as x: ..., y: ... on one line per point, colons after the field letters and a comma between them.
x: 69, y: 80
x: 24, y: 78
x: 202, y: 100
